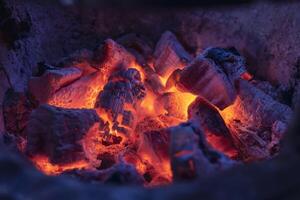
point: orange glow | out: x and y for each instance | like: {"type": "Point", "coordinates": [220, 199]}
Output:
{"type": "Point", "coordinates": [44, 165]}
{"type": "Point", "coordinates": [139, 68]}
{"type": "Point", "coordinates": [83, 93]}
{"type": "Point", "coordinates": [246, 76]}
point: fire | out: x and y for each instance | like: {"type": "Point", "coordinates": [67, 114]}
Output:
{"type": "Point", "coordinates": [110, 140]}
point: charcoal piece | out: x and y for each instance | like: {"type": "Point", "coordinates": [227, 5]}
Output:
{"type": "Point", "coordinates": [80, 94]}
{"type": "Point", "coordinates": [17, 107]}
{"type": "Point", "coordinates": [204, 78]}
{"type": "Point", "coordinates": [267, 88]}
{"type": "Point", "coordinates": [154, 145]}
{"type": "Point", "coordinates": [128, 118]}
{"type": "Point", "coordinates": [214, 127]}
{"type": "Point", "coordinates": [191, 156]}
{"type": "Point", "coordinates": [169, 55]}
{"type": "Point", "coordinates": [187, 160]}
{"type": "Point", "coordinates": [107, 160]}
{"type": "Point", "coordinates": [57, 132]}
{"type": "Point", "coordinates": [43, 87]}
{"type": "Point", "coordinates": [174, 104]}
{"type": "Point", "coordinates": [111, 56]}
{"type": "Point", "coordinates": [258, 122]}
{"type": "Point", "coordinates": [149, 124]}
{"type": "Point", "coordinates": [124, 87]}
{"type": "Point", "coordinates": [138, 45]}
{"type": "Point", "coordinates": [81, 59]}
{"type": "Point", "coordinates": [229, 59]}
{"type": "Point", "coordinates": [152, 80]}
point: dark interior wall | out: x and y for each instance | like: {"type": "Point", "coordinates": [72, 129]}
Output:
{"type": "Point", "coordinates": [32, 32]}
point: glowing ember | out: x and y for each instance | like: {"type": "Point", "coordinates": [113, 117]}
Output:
{"type": "Point", "coordinates": [167, 119]}
{"type": "Point", "coordinates": [43, 164]}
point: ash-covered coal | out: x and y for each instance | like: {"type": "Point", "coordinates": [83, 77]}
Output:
{"type": "Point", "coordinates": [129, 113]}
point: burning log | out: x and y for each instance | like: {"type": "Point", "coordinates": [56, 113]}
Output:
{"type": "Point", "coordinates": [17, 107]}
{"type": "Point", "coordinates": [214, 127]}
{"type": "Point", "coordinates": [191, 157]}
{"type": "Point", "coordinates": [58, 132]}
{"type": "Point", "coordinates": [204, 78]}
{"type": "Point", "coordinates": [43, 87]}
{"type": "Point", "coordinates": [80, 94]}
{"type": "Point", "coordinates": [169, 55]}
{"type": "Point", "coordinates": [229, 60]}
{"type": "Point", "coordinates": [257, 122]}
{"type": "Point", "coordinates": [111, 56]}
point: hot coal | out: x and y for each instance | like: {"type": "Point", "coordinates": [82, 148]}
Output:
{"type": "Point", "coordinates": [79, 94]}
{"type": "Point", "coordinates": [169, 55]}
{"type": "Point", "coordinates": [44, 86]}
{"type": "Point", "coordinates": [57, 132]}
{"type": "Point", "coordinates": [118, 114]}
{"type": "Point", "coordinates": [204, 78]}
{"type": "Point", "coordinates": [216, 132]}
{"type": "Point", "coordinates": [111, 56]}
{"type": "Point", "coordinates": [229, 59]}
{"type": "Point", "coordinates": [191, 157]}
{"type": "Point", "coordinates": [258, 122]}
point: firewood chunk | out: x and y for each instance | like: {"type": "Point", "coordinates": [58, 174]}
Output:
{"type": "Point", "coordinates": [229, 59]}
{"type": "Point", "coordinates": [215, 129]}
{"type": "Point", "coordinates": [17, 107]}
{"type": "Point", "coordinates": [111, 56]}
{"type": "Point", "coordinates": [58, 132]}
{"type": "Point", "coordinates": [43, 87]}
{"type": "Point", "coordinates": [80, 94]}
{"type": "Point", "coordinates": [257, 122]}
{"type": "Point", "coordinates": [204, 78]}
{"type": "Point", "coordinates": [169, 55]}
